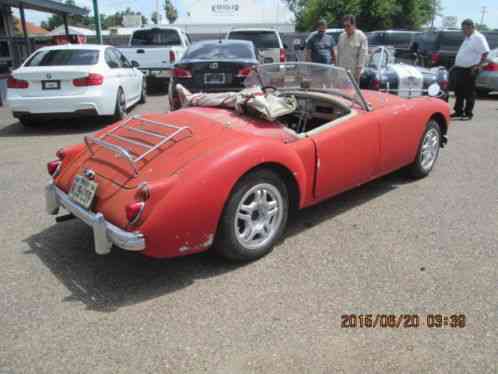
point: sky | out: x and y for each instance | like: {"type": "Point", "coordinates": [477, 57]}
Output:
{"type": "Point", "coordinates": [459, 8]}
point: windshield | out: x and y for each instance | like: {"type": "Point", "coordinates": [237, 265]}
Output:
{"type": "Point", "coordinates": [156, 37]}
{"type": "Point", "coordinates": [63, 57]}
{"type": "Point", "coordinates": [220, 51]}
{"type": "Point", "coordinates": [261, 39]}
{"type": "Point", "coordinates": [306, 76]}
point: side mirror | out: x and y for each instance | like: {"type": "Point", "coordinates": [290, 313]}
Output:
{"type": "Point", "coordinates": [135, 64]}
{"type": "Point", "coordinates": [434, 90]}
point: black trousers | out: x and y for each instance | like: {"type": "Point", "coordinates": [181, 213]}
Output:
{"type": "Point", "coordinates": [465, 90]}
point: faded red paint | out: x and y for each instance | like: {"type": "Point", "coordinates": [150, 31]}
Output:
{"type": "Point", "coordinates": [191, 179]}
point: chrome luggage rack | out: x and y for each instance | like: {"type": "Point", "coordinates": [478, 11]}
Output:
{"type": "Point", "coordinates": [140, 129]}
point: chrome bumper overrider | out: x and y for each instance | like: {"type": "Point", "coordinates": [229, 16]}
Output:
{"type": "Point", "coordinates": [105, 233]}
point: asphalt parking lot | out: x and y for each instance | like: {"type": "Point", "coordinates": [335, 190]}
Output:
{"type": "Point", "coordinates": [393, 246]}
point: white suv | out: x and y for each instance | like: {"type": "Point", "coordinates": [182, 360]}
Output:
{"type": "Point", "coordinates": [267, 42]}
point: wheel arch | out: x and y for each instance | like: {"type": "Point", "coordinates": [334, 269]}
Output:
{"type": "Point", "coordinates": [441, 120]}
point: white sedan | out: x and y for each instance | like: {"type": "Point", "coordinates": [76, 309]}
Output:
{"type": "Point", "coordinates": [74, 80]}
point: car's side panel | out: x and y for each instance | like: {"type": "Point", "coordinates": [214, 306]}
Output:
{"type": "Point", "coordinates": [348, 154]}
{"type": "Point", "coordinates": [185, 221]}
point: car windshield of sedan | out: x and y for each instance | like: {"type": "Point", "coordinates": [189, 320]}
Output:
{"type": "Point", "coordinates": [306, 77]}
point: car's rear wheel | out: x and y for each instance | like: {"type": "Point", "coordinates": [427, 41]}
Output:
{"type": "Point", "coordinates": [120, 110]}
{"type": "Point", "coordinates": [254, 217]}
{"type": "Point", "coordinates": [143, 95]}
{"type": "Point", "coordinates": [428, 151]}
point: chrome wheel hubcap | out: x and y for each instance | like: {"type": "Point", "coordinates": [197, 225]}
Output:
{"type": "Point", "coordinates": [258, 216]}
{"type": "Point", "coordinates": [430, 149]}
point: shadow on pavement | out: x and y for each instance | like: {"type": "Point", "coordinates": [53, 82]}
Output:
{"type": "Point", "coordinates": [106, 283]}
{"type": "Point", "coordinates": [54, 127]}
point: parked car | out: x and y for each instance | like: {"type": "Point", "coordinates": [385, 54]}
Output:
{"type": "Point", "coordinates": [268, 43]}
{"type": "Point", "coordinates": [335, 33]}
{"type": "Point", "coordinates": [437, 48]}
{"type": "Point", "coordinates": [384, 73]}
{"type": "Point", "coordinates": [487, 80]}
{"type": "Point", "coordinates": [74, 80]}
{"type": "Point", "coordinates": [173, 184]}
{"type": "Point", "coordinates": [213, 66]}
{"type": "Point", "coordinates": [400, 40]}
{"type": "Point", "coordinates": [155, 50]}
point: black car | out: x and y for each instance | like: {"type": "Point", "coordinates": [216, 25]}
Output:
{"type": "Point", "coordinates": [400, 40]}
{"type": "Point", "coordinates": [384, 73]}
{"type": "Point", "coordinates": [213, 66]}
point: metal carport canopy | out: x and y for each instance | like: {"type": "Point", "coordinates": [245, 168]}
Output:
{"type": "Point", "coordinates": [47, 6]}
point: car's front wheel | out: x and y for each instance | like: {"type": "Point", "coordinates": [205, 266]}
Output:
{"type": "Point", "coordinates": [120, 108]}
{"type": "Point", "coordinates": [254, 217]}
{"type": "Point", "coordinates": [143, 95]}
{"type": "Point", "coordinates": [428, 151]}
{"type": "Point", "coordinates": [28, 121]}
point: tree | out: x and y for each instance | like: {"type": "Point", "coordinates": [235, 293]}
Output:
{"type": "Point", "coordinates": [171, 11]}
{"type": "Point", "coordinates": [370, 14]}
{"type": "Point", "coordinates": [155, 18]}
{"type": "Point", "coordinates": [56, 20]}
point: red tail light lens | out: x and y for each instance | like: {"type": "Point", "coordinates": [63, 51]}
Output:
{"type": "Point", "coordinates": [491, 67]}
{"type": "Point", "coordinates": [172, 57]}
{"type": "Point", "coordinates": [283, 56]}
{"type": "Point", "coordinates": [443, 85]}
{"type": "Point", "coordinates": [182, 73]}
{"type": "Point", "coordinates": [375, 84]}
{"type": "Point", "coordinates": [53, 168]}
{"type": "Point", "coordinates": [134, 211]}
{"type": "Point", "coordinates": [60, 154]}
{"type": "Point", "coordinates": [91, 79]}
{"type": "Point", "coordinates": [244, 72]}
{"type": "Point", "coordinates": [17, 83]}
{"type": "Point", "coordinates": [435, 58]}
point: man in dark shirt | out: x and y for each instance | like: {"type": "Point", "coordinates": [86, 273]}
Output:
{"type": "Point", "coordinates": [319, 46]}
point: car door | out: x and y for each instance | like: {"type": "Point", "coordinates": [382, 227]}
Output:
{"type": "Point", "coordinates": [127, 76]}
{"type": "Point", "coordinates": [114, 73]}
{"type": "Point", "coordinates": [348, 153]}
{"type": "Point", "coordinates": [133, 75]}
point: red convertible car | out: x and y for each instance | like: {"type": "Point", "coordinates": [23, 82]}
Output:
{"type": "Point", "coordinates": [179, 183]}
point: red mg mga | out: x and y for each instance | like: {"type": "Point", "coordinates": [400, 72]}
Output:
{"type": "Point", "coordinates": [178, 183]}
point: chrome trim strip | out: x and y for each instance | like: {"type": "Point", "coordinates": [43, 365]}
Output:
{"type": "Point", "coordinates": [105, 233]}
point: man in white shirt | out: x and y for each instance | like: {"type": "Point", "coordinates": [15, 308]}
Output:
{"type": "Point", "coordinates": [352, 48]}
{"type": "Point", "coordinates": [472, 54]}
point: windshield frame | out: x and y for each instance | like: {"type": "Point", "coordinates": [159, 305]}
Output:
{"type": "Point", "coordinates": [357, 98]}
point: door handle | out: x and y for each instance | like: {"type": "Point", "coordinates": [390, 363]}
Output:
{"type": "Point", "coordinates": [140, 51]}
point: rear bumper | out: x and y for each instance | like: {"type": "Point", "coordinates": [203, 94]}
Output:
{"type": "Point", "coordinates": [105, 233]}
{"type": "Point", "coordinates": [487, 80]}
{"type": "Point", "coordinates": [159, 73]}
{"type": "Point", "coordinates": [99, 104]}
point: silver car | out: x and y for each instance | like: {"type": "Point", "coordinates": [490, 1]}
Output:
{"type": "Point", "coordinates": [487, 80]}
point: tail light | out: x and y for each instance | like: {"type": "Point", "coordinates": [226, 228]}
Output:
{"type": "Point", "coordinates": [134, 211]}
{"type": "Point", "coordinates": [443, 85]}
{"type": "Point", "coordinates": [435, 56]}
{"type": "Point", "coordinates": [172, 56]}
{"type": "Point", "coordinates": [375, 84]}
{"type": "Point", "coordinates": [244, 72]}
{"type": "Point", "coordinates": [60, 154]}
{"type": "Point", "coordinates": [283, 56]}
{"type": "Point", "coordinates": [53, 168]}
{"type": "Point", "coordinates": [182, 73]}
{"type": "Point", "coordinates": [91, 79]}
{"type": "Point", "coordinates": [17, 83]}
{"type": "Point", "coordinates": [491, 67]}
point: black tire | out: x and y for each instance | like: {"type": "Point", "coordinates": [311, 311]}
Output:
{"type": "Point", "coordinates": [120, 109]}
{"type": "Point", "coordinates": [28, 121]}
{"type": "Point", "coordinates": [143, 95]}
{"type": "Point", "coordinates": [420, 169]}
{"type": "Point", "coordinates": [227, 244]}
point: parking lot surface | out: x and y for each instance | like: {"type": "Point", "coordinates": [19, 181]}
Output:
{"type": "Point", "coordinates": [393, 246]}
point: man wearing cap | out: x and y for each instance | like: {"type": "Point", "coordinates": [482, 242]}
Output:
{"type": "Point", "coordinates": [471, 56]}
{"type": "Point", "coordinates": [352, 48]}
{"type": "Point", "coordinates": [319, 46]}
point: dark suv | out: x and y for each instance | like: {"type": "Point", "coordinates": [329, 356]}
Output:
{"type": "Point", "coordinates": [401, 40]}
{"type": "Point", "coordinates": [438, 48]}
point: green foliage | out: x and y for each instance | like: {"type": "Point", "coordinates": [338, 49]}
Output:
{"type": "Point", "coordinates": [370, 14]}
{"type": "Point", "coordinates": [114, 20]}
{"type": "Point", "coordinates": [171, 11]}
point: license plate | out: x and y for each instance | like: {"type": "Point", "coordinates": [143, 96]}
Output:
{"type": "Point", "coordinates": [83, 191]}
{"type": "Point", "coordinates": [214, 78]}
{"type": "Point", "coordinates": [51, 85]}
